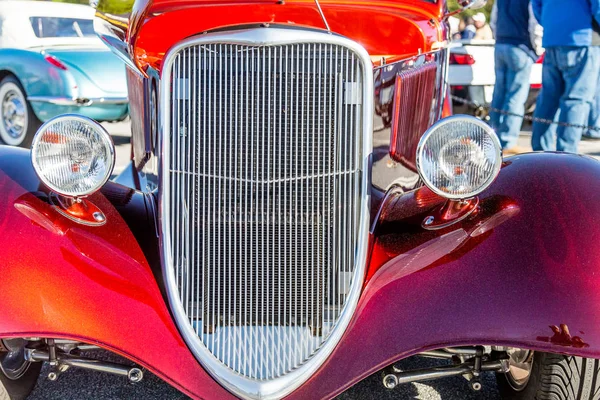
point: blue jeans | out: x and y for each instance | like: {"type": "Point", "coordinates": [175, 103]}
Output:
{"type": "Point", "coordinates": [594, 119]}
{"type": "Point", "coordinates": [513, 67]}
{"type": "Point", "coordinates": [569, 80]}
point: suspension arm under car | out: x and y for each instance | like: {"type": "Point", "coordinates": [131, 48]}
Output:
{"type": "Point", "coordinates": [58, 354]}
{"type": "Point", "coordinates": [467, 361]}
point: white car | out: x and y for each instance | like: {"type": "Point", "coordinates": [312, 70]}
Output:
{"type": "Point", "coordinates": [471, 74]}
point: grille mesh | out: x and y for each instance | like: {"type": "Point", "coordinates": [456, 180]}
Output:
{"type": "Point", "coordinates": [265, 190]}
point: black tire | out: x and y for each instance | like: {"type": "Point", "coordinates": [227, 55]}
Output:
{"type": "Point", "coordinates": [11, 85]}
{"type": "Point", "coordinates": [556, 377]}
{"type": "Point", "coordinates": [20, 388]}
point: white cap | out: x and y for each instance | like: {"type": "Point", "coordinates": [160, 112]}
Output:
{"type": "Point", "coordinates": [479, 17]}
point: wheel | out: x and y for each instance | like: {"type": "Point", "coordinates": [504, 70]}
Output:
{"type": "Point", "coordinates": [545, 376]}
{"type": "Point", "coordinates": [18, 123]}
{"type": "Point", "coordinates": [17, 376]}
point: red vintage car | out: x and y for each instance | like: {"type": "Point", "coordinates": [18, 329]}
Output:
{"type": "Point", "coordinates": [299, 213]}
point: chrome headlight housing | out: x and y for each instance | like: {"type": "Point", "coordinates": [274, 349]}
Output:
{"type": "Point", "coordinates": [459, 157]}
{"type": "Point", "coordinates": [73, 155]}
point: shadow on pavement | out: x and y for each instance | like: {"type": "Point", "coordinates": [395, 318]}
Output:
{"type": "Point", "coordinates": [456, 388]}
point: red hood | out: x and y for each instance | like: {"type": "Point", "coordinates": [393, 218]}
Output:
{"type": "Point", "coordinates": [384, 28]}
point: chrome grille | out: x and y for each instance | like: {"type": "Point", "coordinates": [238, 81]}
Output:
{"type": "Point", "coordinates": [263, 196]}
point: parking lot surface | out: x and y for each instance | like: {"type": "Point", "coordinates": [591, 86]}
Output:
{"type": "Point", "coordinates": [78, 384]}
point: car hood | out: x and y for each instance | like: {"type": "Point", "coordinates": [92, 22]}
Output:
{"type": "Point", "coordinates": [94, 65]}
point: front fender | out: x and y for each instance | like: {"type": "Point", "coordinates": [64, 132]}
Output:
{"type": "Point", "coordinates": [522, 272]}
{"type": "Point", "coordinates": [526, 262]}
{"type": "Point", "coordinates": [94, 284]}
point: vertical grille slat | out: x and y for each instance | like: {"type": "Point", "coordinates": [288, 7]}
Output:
{"type": "Point", "coordinates": [265, 172]}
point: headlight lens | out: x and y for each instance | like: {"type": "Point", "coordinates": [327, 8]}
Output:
{"type": "Point", "coordinates": [459, 157]}
{"type": "Point", "coordinates": [73, 155]}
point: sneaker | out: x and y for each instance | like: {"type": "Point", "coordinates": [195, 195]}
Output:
{"type": "Point", "coordinates": [589, 137]}
{"type": "Point", "coordinates": [511, 151]}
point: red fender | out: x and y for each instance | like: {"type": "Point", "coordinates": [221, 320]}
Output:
{"type": "Point", "coordinates": [521, 271]}
{"type": "Point", "coordinates": [66, 280]}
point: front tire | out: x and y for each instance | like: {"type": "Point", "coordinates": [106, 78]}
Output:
{"type": "Point", "coordinates": [17, 376]}
{"type": "Point", "coordinates": [553, 377]}
{"type": "Point", "coordinates": [18, 122]}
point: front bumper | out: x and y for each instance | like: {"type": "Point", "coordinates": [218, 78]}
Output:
{"type": "Point", "coordinates": [100, 108]}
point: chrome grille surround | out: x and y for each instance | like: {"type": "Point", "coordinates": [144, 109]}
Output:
{"type": "Point", "coordinates": [208, 341]}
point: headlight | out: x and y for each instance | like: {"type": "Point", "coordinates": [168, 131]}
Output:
{"type": "Point", "coordinates": [459, 157]}
{"type": "Point", "coordinates": [73, 155]}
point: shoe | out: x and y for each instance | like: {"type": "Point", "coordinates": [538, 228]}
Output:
{"type": "Point", "coordinates": [588, 137]}
{"type": "Point", "coordinates": [515, 150]}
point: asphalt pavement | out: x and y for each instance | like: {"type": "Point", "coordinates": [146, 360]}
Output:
{"type": "Point", "coordinates": [78, 384]}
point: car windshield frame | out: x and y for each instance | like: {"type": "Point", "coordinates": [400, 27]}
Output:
{"type": "Point", "coordinates": [45, 27]}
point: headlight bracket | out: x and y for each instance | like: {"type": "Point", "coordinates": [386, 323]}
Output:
{"type": "Point", "coordinates": [80, 210]}
{"type": "Point", "coordinates": [449, 213]}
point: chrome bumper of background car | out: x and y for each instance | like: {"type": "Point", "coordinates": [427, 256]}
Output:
{"type": "Point", "coordinates": [66, 101]}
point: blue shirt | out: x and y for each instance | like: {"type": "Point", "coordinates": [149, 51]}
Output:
{"type": "Point", "coordinates": [566, 22]}
{"type": "Point", "coordinates": [514, 25]}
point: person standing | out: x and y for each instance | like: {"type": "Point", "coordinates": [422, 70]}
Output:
{"type": "Point", "coordinates": [570, 71]}
{"type": "Point", "coordinates": [518, 46]}
{"type": "Point", "coordinates": [454, 24]}
{"type": "Point", "coordinates": [469, 30]}
{"type": "Point", "coordinates": [482, 29]}
{"type": "Point", "coordinates": [593, 131]}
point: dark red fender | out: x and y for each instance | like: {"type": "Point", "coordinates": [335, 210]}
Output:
{"type": "Point", "coordinates": [520, 273]}
{"type": "Point", "coordinates": [526, 262]}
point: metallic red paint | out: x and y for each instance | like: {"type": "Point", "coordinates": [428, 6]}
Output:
{"type": "Point", "coordinates": [524, 265]}
{"type": "Point", "coordinates": [65, 280]}
{"type": "Point", "coordinates": [514, 273]}
{"type": "Point", "coordinates": [390, 29]}
{"type": "Point", "coordinates": [447, 111]}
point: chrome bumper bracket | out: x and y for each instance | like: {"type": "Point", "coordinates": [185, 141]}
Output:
{"type": "Point", "coordinates": [79, 101]}
{"type": "Point", "coordinates": [60, 362]}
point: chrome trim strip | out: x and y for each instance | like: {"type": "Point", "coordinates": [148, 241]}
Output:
{"type": "Point", "coordinates": [112, 30]}
{"type": "Point", "coordinates": [322, 16]}
{"type": "Point", "coordinates": [80, 102]}
{"type": "Point", "coordinates": [284, 385]}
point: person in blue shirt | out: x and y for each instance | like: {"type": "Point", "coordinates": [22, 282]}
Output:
{"type": "Point", "coordinates": [518, 46]}
{"type": "Point", "coordinates": [570, 71]}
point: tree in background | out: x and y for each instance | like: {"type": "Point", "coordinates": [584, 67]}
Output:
{"type": "Point", "coordinates": [115, 7]}
{"type": "Point", "coordinates": [86, 2]}
{"type": "Point", "coordinates": [487, 10]}
{"type": "Point", "coordinates": [121, 6]}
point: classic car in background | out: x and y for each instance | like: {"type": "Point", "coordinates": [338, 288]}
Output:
{"type": "Point", "coordinates": [51, 63]}
{"type": "Point", "coordinates": [471, 76]}
{"type": "Point", "coordinates": [299, 212]}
